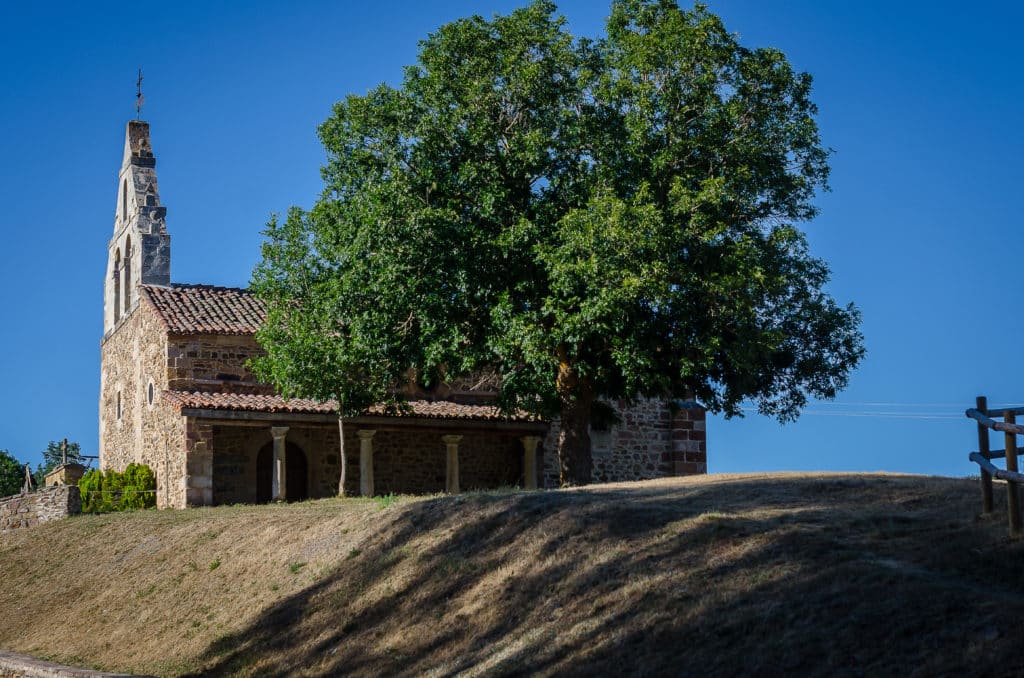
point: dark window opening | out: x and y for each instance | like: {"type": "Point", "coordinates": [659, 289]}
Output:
{"type": "Point", "coordinates": [127, 275]}
{"type": "Point", "coordinates": [117, 285]}
{"type": "Point", "coordinates": [296, 474]}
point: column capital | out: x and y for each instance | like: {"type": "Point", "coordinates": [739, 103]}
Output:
{"type": "Point", "coordinates": [278, 431]}
{"type": "Point", "coordinates": [451, 439]}
{"type": "Point", "coordinates": [530, 441]}
{"type": "Point", "coordinates": [366, 433]}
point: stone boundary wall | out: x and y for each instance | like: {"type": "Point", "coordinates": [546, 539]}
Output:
{"type": "Point", "coordinates": [19, 666]}
{"type": "Point", "coordinates": [26, 510]}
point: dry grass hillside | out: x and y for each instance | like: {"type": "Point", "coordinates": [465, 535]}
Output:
{"type": "Point", "coordinates": [726, 575]}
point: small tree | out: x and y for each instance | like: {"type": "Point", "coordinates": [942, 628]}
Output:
{"type": "Point", "coordinates": [12, 474]}
{"type": "Point", "coordinates": [322, 333]}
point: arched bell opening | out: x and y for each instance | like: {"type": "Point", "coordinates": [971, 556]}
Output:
{"type": "Point", "coordinates": [117, 285]}
{"type": "Point", "coordinates": [127, 274]}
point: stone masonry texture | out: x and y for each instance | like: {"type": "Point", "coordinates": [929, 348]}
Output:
{"type": "Point", "coordinates": [35, 508]}
{"type": "Point", "coordinates": [653, 439]}
{"type": "Point", "coordinates": [134, 356]}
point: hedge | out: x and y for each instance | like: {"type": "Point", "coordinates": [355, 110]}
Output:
{"type": "Point", "coordinates": [107, 491]}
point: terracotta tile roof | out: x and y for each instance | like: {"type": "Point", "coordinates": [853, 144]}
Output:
{"type": "Point", "coordinates": [206, 309]}
{"type": "Point", "coordinates": [251, 402]}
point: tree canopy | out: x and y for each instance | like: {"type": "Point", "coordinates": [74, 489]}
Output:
{"type": "Point", "coordinates": [12, 474]}
{"type": "Point", "coordinates": [594, 218]}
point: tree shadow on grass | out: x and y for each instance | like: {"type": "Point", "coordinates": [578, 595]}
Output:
{"type": "Point", "coordinates": [803, 575]}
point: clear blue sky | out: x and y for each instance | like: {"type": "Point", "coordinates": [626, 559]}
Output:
{"type": "Point", "coordinates": [922, 103]}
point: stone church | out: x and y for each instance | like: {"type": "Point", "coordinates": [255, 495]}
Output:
{"type": "Point", "coordinates": [176, 394]}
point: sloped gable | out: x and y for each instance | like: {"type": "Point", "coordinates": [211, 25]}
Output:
{"type": "Point", "coordinates": [206, 309]}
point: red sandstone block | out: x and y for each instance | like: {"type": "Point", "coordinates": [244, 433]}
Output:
{"type": "Point", "coordinates": [697, 456]}
{"type": "Point", "coordinates": [689, 468]}
{"type": "Point", "coordinates": [698, 435]}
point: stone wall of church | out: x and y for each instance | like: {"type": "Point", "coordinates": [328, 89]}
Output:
{"type": "Point", "coordinates": [414, 462]}
{"type": "Point", "coordinates": [165, 448]}
{"type": "Point", "coordinates": [405, 462]}
{"type": "Point", "coordinates": [134, 357]}
{"type": "Point", "coordinates": [653, 439]}
{"type": "Point", "coordinates": [205, 362]}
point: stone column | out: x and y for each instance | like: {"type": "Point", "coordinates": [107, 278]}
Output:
{"type": "Point", "coordinates": [279, 478]}
{"type": "Point", "coordinates": [530, 461]}
{"type": "Point", "coordinates": [452, 478]}
{"type": "Point", "coordinates": [366, 461]}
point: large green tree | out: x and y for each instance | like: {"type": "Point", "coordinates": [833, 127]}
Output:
{"type": "Point", "coordinates": [605, 218]}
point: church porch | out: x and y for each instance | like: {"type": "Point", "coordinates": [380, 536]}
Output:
{"type": "Point", "coordinates": [255, 456]}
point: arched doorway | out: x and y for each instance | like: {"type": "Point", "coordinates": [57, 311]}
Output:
{"type": "Point", "coordinates": [296, 473]}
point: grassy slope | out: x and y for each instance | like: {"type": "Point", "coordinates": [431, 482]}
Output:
{"type": "Point", "coordinates": [766, 574]}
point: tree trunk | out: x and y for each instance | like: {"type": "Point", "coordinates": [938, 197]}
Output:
{"type": "Point", "coordinates": [344, 460]}
{"type": "Point", "coordinates": [575, 462]}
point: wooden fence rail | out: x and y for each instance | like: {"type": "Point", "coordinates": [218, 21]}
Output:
{"type": "Point", "coordinates": [984, 456]}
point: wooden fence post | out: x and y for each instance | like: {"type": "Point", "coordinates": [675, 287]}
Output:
{"type": "Point", "coordinates": [1012, 497]}
{"type": "Point", "coordinates": [981, 403]}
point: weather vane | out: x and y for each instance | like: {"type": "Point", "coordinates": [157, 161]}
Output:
{"type": "Point", "coordinates": [139, 100]}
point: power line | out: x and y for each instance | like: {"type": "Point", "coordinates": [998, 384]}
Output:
{"type": "Point", "coordinates": [885, 415]}
{"type": "Point", "coordinates": [961, 405]}
{"type": "Point", "coordinates": [873, 414]}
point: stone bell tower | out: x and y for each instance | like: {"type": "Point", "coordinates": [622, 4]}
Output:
{"type": "Point", "coordinates": [140, 251]}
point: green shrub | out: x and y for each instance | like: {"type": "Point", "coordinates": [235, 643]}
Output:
{"type": "Point", "coordinates": [139, 489]}
{"type": "Point", "coordinates": [90, 486]}
{"type": "Point", "coordinates": [103, 492]}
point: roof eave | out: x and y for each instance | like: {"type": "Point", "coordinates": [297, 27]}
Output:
{"type": "Point", "coordinates": [383, 423]}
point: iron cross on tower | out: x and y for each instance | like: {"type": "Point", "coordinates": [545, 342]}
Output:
{"type": "Point", "coordinates": [139, 100]}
